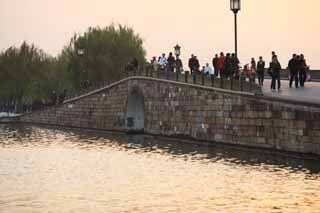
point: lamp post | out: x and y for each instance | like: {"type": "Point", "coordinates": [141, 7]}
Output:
{"type": "Point", "coordinates": [178, 63]}
{"type": "Point", "coordinates": [177, 50]}
{"type": "Point", "coordinates": [235, 6]}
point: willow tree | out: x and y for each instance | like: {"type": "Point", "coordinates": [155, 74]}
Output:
{"type": "Point", "coordinates": [99, 54]}
{"type": "Point", "coordinates": [28, 73]}
{"type": "Point", "coordinates": [21, 68]}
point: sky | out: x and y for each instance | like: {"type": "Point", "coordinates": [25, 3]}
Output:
{"type": "Point", "coordinates": [202, 27]}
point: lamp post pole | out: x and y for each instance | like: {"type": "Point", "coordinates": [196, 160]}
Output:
{"type": "Point", "coordinates": [235, 6]}
{"type": "Point", "coordinates": [235, 34]}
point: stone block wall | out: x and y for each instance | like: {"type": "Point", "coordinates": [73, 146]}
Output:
{"type": "Point", "coordinates": [202, 113]}
{"type": "Point", "coordinates": [101, 110]}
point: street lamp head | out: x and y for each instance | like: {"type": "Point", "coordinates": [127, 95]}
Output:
{"type": "Point", "coordinates": [235, 5]}
{"type": "Point", "coordinates": [177, 50]}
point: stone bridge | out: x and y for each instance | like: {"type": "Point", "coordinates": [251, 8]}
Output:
{"type": "Point", "coordinates": [198, 112]}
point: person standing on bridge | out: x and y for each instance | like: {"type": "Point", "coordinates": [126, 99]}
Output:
{"type": "Point", "coordinates": [196, 65]}
{"type": "Point", "coordinates": [260, 70]}
{"type": "Point", "coordinates": [191, 63]}
{"type": "Point", "coordinates": [221, 61]}
{"type": "Point", "coordinates": [275, 68]}
{"type": "Point", "coordinates": [163, 62]}
{"type": "Point", "coordinates": [302, 70]}
{"type": "Point", "coordinates": [234, 66]}
{"type": "Point", "coordinates": [293, 67]}
{"type": "Point", "coordinates": [228, 66]}
{"type": "Point", "coordinates": [178, 65]}
{"type": "Point", "coordinates": [207, 70]}
{"type": "Point", "coordinates": [215, 64]}
{"type": "Point", "coordinates": [171, 61]}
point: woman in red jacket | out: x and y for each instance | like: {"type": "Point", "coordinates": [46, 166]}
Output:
{"type": "Point", "coordinates": [221, 64]}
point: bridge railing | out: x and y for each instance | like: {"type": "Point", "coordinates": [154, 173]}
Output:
{"type": "Point", "coordinates": [236, 84]}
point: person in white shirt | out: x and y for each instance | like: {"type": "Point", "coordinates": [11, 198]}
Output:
{"type": "Point", "coordinates": [163, 61]}
{"type": "Point", "coordinates": [208, 70]}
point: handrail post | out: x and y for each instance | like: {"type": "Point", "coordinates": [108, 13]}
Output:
{"type": "Point", "coordinates": [231, 83]}
{"type": "Point", "coordinates": [241, 83]}
{"type": "Point", "coordinates": [151, 71]}
{"type": "Point", "coordinates": [186, 76]}
{"type": "Point", "coordinates": [202, 79]}
{"type": "Point", "coordinates": [194, 78]}
{"type": "Point", "coordinates": [212, 80]}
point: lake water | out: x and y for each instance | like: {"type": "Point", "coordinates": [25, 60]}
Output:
{"type": "Point", "coordinates": [62, 170]}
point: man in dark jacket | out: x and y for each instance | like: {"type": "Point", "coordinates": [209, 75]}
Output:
{"type": "Point", "coordinates": [228, 66]}
{"type": "Point", "coordinates": [275, 68]}
{"type": "Point", "coordinates": [235, 66]}
{"type": "Point", "coordinates": [196, 65]}
{"type": "Point", "coordinates": [302, 70]}
{"type": "Point", "coordinates": [215, 64]}
{"type": "Point", "coordinates": [260, 70]}
{"type": "Point", "coordinates": [293, 66]}
{"type": "Point", "coordinates": [179, 65]}
{"type": "Point", "coordinates": [191, 64]}
{"type": "Point", "coordinates": [171, 61]}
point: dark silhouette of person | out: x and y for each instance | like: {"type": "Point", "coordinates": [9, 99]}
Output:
{"type": "Point", "coordinates": [215, 64]}
{"type": "Point", "coordinates": [221, 64]}
{"type": "Point", "coordinates": [196, 65]}
{"type": "Point", "coordinates": [178, 64]}
{"type": "Point", "coordinates": [275, 68]}
{"type": "Point", "coordinates": [171, 62]}
{"type": "Point", "coordinates": [235, 66]}
{"type": "Point", "coordinates": [260, 70]}
{"type": "Point", "coordinates": [228, 66]}
{"type": "Point", "coordinates": [191, 63]}
{"type": "Point", "coordinates": [293, 66]}
{"type": "Point", "coordinates": [302, 70]}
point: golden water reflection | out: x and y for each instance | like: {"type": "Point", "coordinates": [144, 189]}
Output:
{"type": "Point", "coordinates": [52, 170]}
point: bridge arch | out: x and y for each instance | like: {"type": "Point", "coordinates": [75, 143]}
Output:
{"type": "Point", "coordinates": [135, 110]}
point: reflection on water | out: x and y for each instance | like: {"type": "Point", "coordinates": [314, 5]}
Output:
{"type": "Point", "coordinates": [55, 170]}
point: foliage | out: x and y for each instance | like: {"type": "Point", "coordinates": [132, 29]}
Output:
{"type": "Point", "coordinates": [98, 55]}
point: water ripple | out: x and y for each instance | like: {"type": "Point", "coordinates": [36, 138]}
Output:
{"type": "Point", "coordinates": [63, 170]}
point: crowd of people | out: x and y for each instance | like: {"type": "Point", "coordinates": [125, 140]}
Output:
{"type": "Point", "coordinates": [223, 65]}
{"type": "Point", "coordinates": [297, 68]}
{"type": "Point", "coordinates": [228, 66]}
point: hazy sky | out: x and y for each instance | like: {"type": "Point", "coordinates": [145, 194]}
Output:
{"type": "Point", "coordinates": [202, 27]}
